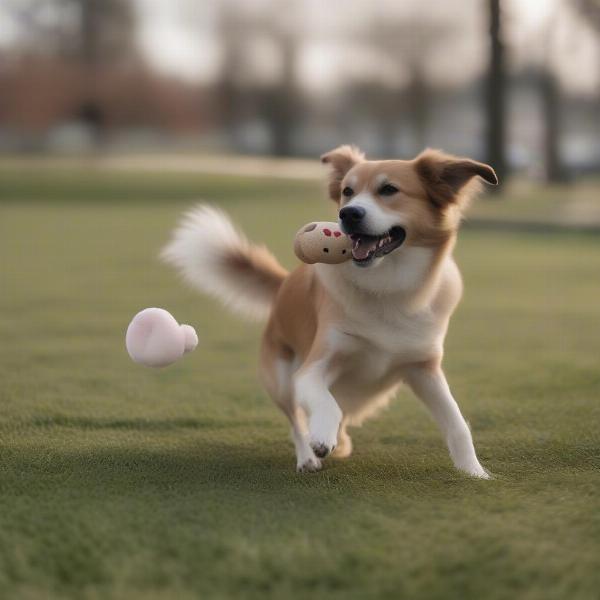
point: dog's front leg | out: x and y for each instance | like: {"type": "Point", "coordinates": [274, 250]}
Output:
{"type": "Point", "coordinates": [311, 389]}
{"type": "Point", "coordinates": [430, 385]}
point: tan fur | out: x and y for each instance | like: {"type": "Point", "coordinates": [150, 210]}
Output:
{"type": "Point", "coordinates": [216, 258]}
{"type": "Point", "coordinates": [341, 159]}
{"type": "Point", "coordinates": [258, 265]}
{"type": "Point", "coordinates": [307, 308]}
{"type": "Point", "coordinates": [340, 339]}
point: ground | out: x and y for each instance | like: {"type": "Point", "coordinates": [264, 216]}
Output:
{"type": "Point", "coordinates": [121, 482]}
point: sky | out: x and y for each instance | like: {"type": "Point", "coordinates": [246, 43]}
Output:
{"type": "Point", "coordinates": [178, 37]}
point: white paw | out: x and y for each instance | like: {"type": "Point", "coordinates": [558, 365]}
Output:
{"type": "Point", "coordinates": [483, 474]}
{"type": "Point", "coordinates": [323, 431]}
{"type": "Point", "coordinates": [309, 465]}
{"type": "Point", "coordinates": [475, 471]}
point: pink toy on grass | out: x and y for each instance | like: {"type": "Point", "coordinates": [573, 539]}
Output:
{"type": "Point", "coordinates": [155, 339]}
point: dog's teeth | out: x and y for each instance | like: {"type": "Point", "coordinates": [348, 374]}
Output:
{"type": "Point", "coordinates": [382, 242]}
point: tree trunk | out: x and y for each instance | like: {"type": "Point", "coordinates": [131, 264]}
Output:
{"type": "Point", "coordinates": [551, 113]}
{"type": "Point", "coordinates": [418, 108]}
{"type": "Point", "coordinates": [495, 97]}
{"type": "Point", "coordinates": [90, 111]}
{"type": "Point", "coordinates": [283, 109]}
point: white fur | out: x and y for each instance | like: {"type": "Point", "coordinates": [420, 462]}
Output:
{"type": "Point", "coordinates": [311, 389]}
{"type": "Point", "coordinates": [432, 388]}
{"type": "Point", "coordinates": [197, 249]}
{"type": "Point", "coordinates": [306, 460]}
{"type": "Point", "coordinates": [402, 271]}
{"type": "Point", "coordinates": [380, 334]}
{"type": "Point", "coordinates": [377, 221]}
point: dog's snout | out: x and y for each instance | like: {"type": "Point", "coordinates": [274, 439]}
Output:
{"type": "Point", "coordinates": [352, 215]}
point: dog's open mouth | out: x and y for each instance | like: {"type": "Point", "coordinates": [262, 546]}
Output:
{"type": "Point", "coordinates": [365, 248]}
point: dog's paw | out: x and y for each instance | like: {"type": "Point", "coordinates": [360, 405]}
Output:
{"type": "Point", "coordinates": [310, 465]}
{"type": "Point", "coordinates": [321, 450]}
{"type": "Point", "coordinates": [482, 474]}
{"type": "Point", "coordinates": [323, 431]}
{"type": "Point", "coordinates": [476, 471]}
{"type": "Point", "coordinates": [344, 446]}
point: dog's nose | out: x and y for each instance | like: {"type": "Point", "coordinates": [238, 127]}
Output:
{"type": "Point", "coordinates": [351, 215]}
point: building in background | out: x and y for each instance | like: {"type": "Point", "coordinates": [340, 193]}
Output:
{"type": "Point", "coordinates": [513, 82]}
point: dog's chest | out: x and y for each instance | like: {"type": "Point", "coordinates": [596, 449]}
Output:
{"type": "Point", "coordinates": [383, 326]}
{"type": "Point", "coordinates": [390, 336]}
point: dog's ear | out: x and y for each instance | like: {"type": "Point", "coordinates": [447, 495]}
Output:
{"type": "Point", "coordinates": [342, 159]}
{"type": "Point", "coordinates": [446, 178]}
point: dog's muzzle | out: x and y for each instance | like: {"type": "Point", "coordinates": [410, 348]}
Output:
{"type": "Point", "coordinates": [366, 247]}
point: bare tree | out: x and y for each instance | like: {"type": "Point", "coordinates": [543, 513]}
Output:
{"type": "Point", "coordinates": [550, 90]}
{"type": "Point", "coordinates": [105, 34]}
{"type": "Point", "coordinates": [275, 101]}
{"type": "Point", "coordinates": [590, 12]}
{"type": "Point", "coordinates": [80, 31]}
{"type": "Point", "coordinates": [551, 113]}
{"type": "Point", "coordinates": [87, 36]}
{"type": "Point", "coordinates": [228, 88]}
{"type": "Point", "coordinates": [106, 30]}
{"type": "Point", "coordinates": [282, 109]}
{"type": "Point", "coordinates": [410, 44]}
{"type": "Point", "coordinates": [495, 94]}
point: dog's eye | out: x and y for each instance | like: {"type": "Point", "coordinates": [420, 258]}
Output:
{"type": "Point", "coordinates": [388, 190]}
{"type": "Point", "coordinates": [348, 191]}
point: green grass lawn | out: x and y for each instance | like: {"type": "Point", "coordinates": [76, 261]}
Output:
{"type": "Point", "coordinates": [122, 482]}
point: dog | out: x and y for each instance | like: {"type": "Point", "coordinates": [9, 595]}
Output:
{"type": "Point", "coordinates": [341, 339]}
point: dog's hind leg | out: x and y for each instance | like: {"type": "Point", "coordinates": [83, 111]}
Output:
{"type": "Point", "coordinates": [344, 442]}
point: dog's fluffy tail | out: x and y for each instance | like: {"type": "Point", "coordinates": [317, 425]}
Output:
{"type": "Point", "coordinates": [217, 259]}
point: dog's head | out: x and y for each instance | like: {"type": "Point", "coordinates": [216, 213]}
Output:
{"type": "Point", "coordinates": [388, 204]}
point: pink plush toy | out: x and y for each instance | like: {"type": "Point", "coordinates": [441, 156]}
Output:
{"type": "Point", "coordinates": [155, 339]}
{"type": "Point", "coordinates": [322, 242]}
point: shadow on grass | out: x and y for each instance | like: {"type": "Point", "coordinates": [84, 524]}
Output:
{"type": "Point", "coordinates": [139, 424]}
{"type": "Point", "coordinates": [210, 466]}
{"type": "Point", "coordinates": [249, 464]}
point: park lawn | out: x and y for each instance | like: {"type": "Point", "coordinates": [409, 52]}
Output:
{"type": "Point", "coordinates": [122, 482]}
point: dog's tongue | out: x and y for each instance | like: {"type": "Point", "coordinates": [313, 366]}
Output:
{"type": "Point", "coordinates": [362, 247]}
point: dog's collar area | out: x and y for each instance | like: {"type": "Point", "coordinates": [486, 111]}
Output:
{"type": "Point", "coordinates": [366, 248]}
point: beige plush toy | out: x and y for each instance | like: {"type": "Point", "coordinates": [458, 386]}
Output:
{"type": "Point", "coordinates": [322, 242]}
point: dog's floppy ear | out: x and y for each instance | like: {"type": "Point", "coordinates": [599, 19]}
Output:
{"type": "Point", "coordinates": [446, 177]}
{"type": "Point", "coordinates": [342, 159]}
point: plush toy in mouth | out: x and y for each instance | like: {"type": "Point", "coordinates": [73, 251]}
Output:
{"type": "Point", "coordinates": [155, 339]}
{"type": "Point", "coordinates": [322, 242]}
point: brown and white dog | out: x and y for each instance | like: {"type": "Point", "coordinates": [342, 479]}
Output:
{"type": "Point", "coordinates": [340, 339]}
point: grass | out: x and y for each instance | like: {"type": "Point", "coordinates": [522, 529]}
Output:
{"type": "Point", "coordinates": [122, 482]}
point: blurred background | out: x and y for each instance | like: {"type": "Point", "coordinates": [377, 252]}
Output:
{"type": "Point", "coordinates": [123, 482]}
{"type": "Point", "coordinates": [513, 82]}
